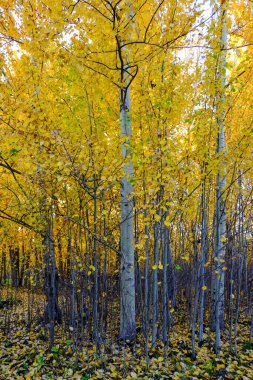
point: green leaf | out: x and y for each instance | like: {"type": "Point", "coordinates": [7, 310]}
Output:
{"type": "Point", "coordinates": [55, 349]}
{"type": "Point", "coordinates": [13, 151]}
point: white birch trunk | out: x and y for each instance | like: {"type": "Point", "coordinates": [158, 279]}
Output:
{"type": "Point", "coordinates": [203, 256]}
{"type": "Point", "coordinates": [221, 182]}
{"type": "Point", "coordinates": [127, 280]}
{"type": "Point", "coordinates": [127, 275]}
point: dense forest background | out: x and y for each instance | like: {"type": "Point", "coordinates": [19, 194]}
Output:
{"type": "Point", "coordinates": [126, 232]}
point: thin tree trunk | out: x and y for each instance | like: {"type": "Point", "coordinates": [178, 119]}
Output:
{"type": "Point", "coordinates": [3, 266]}
{"type": "Point", "coordinates": [52, 312]}
{"type": "Point", "coordinates": [155, 282]}
{"type": "Point", "coordinates": [127, 276]}
{"type": "Point", "coordinates": [221, 183]}
{"type": "Point", "coordinates": [202, 263]}
{"type": "Point", "coordinates": [166, 321]}
{"type": "Point", "coordinates": [95, 274]}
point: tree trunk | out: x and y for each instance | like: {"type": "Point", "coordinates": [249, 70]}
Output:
{"type": "Point", "coordinates": [203, 255]}
{"type": "Point", "coordinates": [221, 183]}
{"type": "Point", "coordinates": [127, 275]}
{"type": "Point", "coordinates": [52, 311]}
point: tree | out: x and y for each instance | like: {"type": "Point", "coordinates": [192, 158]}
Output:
{"type": "Point", "coordinates": [220, 216]}
{"type": "Point", "coordinates": [127, 266]}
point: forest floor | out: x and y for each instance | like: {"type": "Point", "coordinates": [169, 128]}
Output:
{"type": "Point", "coordinates": [24, 354]}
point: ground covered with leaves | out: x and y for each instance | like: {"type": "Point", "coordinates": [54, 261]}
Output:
{"type": "Point", "coordinates": [24, 354]}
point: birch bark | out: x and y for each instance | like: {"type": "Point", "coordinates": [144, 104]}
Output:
{"type": "Point", "coordinates": [221, 181]}
{"type": "Point", "coordinates": [127, 275]}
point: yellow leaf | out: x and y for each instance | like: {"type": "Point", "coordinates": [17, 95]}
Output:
{"type": "Point", "coordinates": [167, 223]}
{"type": "Point", "coordinates": [157, 217]}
